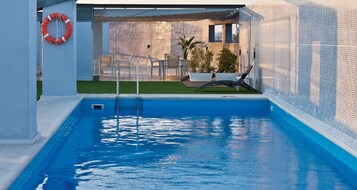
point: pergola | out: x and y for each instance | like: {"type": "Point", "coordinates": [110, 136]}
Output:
{"type": "Point", "coordinates": [20, 42]}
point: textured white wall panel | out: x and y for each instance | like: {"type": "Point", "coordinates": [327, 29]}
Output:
{"type": "Point", "coordinates": [306, 56]}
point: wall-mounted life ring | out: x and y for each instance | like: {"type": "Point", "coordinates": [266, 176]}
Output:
{"type": "Point", "coordinates": [48, 19]}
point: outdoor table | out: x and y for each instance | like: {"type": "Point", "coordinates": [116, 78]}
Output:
{"type": "Point", "coordinates": [182, 67]}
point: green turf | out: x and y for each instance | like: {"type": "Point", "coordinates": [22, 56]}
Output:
{"type": "Point", "coordinates": [39, 89]}
{"type": "Point", "coordinates": [146, 87]}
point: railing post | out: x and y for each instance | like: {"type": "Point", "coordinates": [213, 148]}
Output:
{"type": "Point", "coordinates": [117, 79]}
{"type": "Point", "coordinates": [137, 76]}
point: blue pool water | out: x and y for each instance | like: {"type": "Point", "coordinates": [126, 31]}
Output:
{"type": "Point", "coordinates": [186, 144]}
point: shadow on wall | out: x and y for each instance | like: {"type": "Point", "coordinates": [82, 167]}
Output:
{"type": "Point", "coordinates": [295, 49]}
{"type": "Point", "coordinates": [318, 59]}
{"type": "Point", "coordinates": [151, 38]}
{"type": "Point", "coordinates": [256, 60]}
{"type": "Point", "coordinates": [190, 29]}
{"type": "Point", "coordinates": [134, 38]}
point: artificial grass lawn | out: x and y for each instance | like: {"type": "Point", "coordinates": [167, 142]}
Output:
{"type": "Point", "coordinates": [145, 87]}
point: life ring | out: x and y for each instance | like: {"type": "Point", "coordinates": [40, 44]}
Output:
{"type": "Point", "coordinates": [48, 19]}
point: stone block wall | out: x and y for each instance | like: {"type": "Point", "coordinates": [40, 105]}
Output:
{"type": "Point", "coordinates": [163, 37]}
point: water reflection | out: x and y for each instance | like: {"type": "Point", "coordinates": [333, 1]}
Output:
{"type": "Point", "coordinates": [132, 151]}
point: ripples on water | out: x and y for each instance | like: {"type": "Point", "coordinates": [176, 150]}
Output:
{"type": "Point", "coordinates": [129, 152]}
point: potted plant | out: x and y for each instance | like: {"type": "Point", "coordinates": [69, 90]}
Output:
{"type": "Point", "coordinates": [227, 64]}
{"type": "Point", "coordinates": [187, 44]}
{"type": "Point", "coordinates": [200, 64]}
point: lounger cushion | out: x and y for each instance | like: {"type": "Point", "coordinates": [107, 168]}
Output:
{"type": "Point", "coordinates": [200, 77]}
{"type": "Point", "coordinates": [226, 76]}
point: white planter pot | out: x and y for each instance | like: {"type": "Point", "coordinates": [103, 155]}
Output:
{"type": "Point", "coordinates": [200, 77]}
{"type": "Point", "coordinates": [226, 76]}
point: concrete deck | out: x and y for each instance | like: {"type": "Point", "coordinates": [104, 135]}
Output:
{"type": "Point", "coordinates": [51, 113]}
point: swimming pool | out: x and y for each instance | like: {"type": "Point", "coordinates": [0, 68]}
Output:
{"type": "Point", "coordinates": [183, 143]}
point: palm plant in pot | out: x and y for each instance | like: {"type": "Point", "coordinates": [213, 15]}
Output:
{"type": "Point", "coordinates": [187, 45]}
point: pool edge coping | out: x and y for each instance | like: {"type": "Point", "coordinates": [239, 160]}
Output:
{"type": "Point", "coordinates": [190, 96]}
{"type": "Point", "coordinates": [14, 158]}
{"type": "Point", "coordinates": [304, 118]}
{"type": "Point", "coordinates": [318, 126]}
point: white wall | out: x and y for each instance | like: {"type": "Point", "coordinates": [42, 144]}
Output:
{"type": "Point", "coordinates": [60, 61]}
{"type": "Point", "coordinates": [18, 71]}
{"type": "Point", "coordinates": [105, 37]}
{"type": "Point", "coordinates": [84, 51]}
{"type": "Point", "coordinates": [307, 57]}
{"type": "Point", "coordinates": [97, 40]}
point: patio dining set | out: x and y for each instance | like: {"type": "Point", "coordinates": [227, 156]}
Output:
{"type": "Point", "coordinates": [147, 67]}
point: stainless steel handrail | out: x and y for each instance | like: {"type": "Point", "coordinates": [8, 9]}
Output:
{"type": "Point", "coordinates": [117, 79]}
{"type": "Point", "coordinates": [137, 76]}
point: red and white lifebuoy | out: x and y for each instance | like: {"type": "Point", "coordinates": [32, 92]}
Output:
{"type": "Point", "coordinates": [51, 17]}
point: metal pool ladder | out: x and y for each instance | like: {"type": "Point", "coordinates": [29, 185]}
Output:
{"type": "Point", "coordinates": [117, 79]}
{"type": "Point", "coordinates": [117, 75]}
{"type": "Point", "coordinates": [137, 77]}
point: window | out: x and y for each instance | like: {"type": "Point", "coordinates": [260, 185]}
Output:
{"type": "Point", "coordinates": [215, 33]}
{"type": "Point", "coordinates": [218, 33]}
{"type": "Point", "coordinates": [232, 33]}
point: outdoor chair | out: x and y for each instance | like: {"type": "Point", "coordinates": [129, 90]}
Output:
{"type": "Point", "coordinates": [106, 65]}
{"type": "Point", "coordinates": [230, 83]}
{"type": "Point", "coordinates": [123, 63]}
{"type": "Point", "coordinates": [155, 63]}
{"type": "Point", "coordinates": [172, 62]}
{"type": "Point", "coordinates": [183, 67]}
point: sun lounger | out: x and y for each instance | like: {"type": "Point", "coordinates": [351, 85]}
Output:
{"type": "Point", "coordinates": [229, 83]}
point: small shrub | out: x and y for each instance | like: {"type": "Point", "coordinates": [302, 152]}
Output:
{"type": "Point", "coordinates": [227, 61]}
{"type": "Point", "coordinates": [207, 60]}
{"type": "Point", "coordinates": [201, 60]}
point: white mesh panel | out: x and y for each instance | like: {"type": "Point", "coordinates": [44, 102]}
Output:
{"type": "Point", "coordinates": [307, 57]}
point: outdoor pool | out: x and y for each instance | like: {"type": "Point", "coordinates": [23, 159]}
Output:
{"type": "Point", "coordinates": [183, 144]}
